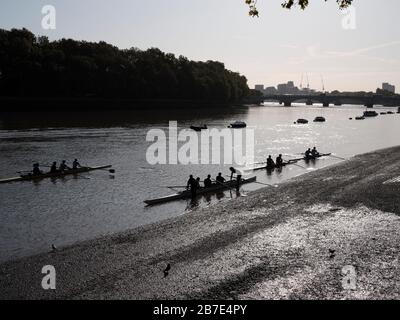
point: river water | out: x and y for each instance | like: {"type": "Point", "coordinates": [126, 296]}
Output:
{"type": "Point", "coordinates": [35, 215]}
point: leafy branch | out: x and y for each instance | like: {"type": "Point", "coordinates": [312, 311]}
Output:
{"type": "Point", "coordinates": [288, 4]}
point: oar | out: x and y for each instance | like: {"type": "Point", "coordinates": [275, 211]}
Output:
{"type": "Point", "coordinates": [173, 187]}
{"type": "Point", "coordinates": [108, 170]}
{"type": "Point", "coordinates": [297, 165]}
{"type": "Point", "coordinates": [23, 171]}
{"type": "Point", "coordinates": [252, 164]}
{"type": "Point", "coordinates": [337, 157]}
{"type": "Point", "coordinates": [266, 184]}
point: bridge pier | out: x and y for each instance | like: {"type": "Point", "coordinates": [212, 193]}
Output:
{"type": "Point", "coordinates": [326, 104]}
{"type": "Point", "coordinates": [309, 103]}
{"type": "Point", "coordinates": [288, 104]}
{"type": "Point", "coordinates": [369, 105]}
{"type": "Point", "coordinates": [337, 103]}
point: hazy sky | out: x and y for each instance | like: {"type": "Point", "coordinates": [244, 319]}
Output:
{"type": "Point", "coordinates": [279, 46]}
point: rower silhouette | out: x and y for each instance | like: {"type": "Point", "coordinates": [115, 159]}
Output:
{"type": "Point", "coordinates": [166, 270]}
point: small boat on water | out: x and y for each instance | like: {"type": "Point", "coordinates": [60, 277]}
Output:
{"type": "Point", "coordinates": [383, 113]}
{"type": "Point", "coordinates": [199, 128]}
{"type": "Point", "coordinates": [292, 161]}
{"type": "Point", "coordinates": [319, 119]}
{"type": "Point", "coordinates": [264, 167]}
{"type": "Point", "coordinates": [31, 177]}
{"type": "Point", "coordinates": [360, 118]}
{"type": "Point", "coordinates": [390, 112]}
{"type": "Point", "coordinates": [237, 125]}
{"type": "Point", "coordinates": [311, 157]}
{"type": "Point", "coordinates": [370, 114]}
{"type": "Point", "coordinates": [304, 158]}
{"type": "Point", "coordinates": [186, 194]}
{"type": "Point", "coordinates": [302, 121]}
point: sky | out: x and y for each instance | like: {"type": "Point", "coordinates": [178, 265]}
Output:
{"type": "Point", "coordinates": [348, 51]}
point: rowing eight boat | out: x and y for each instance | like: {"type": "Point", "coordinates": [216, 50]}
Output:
{"type": "Point", "coordinates": [30, 177]}
{"type": "Point", "coordinates": [187, 194]}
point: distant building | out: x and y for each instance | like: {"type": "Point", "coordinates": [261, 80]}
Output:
{"type": "Point", "coordinates": [259, 87]}
{"type": "Point", "coordinates": [282, 88]}
{"type": "Point", "coordinates": [270, 90]}
{"type": "Point", "coordinates": [285, 88]}
{"type": "Point", "coordinates": [288, 88]}
{"type": "Point", "coordinates": [388, 87]}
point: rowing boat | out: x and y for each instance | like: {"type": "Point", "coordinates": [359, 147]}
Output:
{"type": "Point", "coordinates": [310, 157]}
{"type": "Point", "coordinates": [292, 161]}
{"type": "Point", "coordinates": [30, 177]}
{"type": "Point", "coordinates": [269, 168]}
{"type": "Point", "coordinates": [187, 193]}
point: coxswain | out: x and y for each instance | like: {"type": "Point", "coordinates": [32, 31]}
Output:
{"type": "Point", "coordinates": [36, 169]}
{"type": "Point", "coordinates": [76, 164]}
{"type": "Point", "coordinates": [208, 182]}
{"type": "Point", "coordinates": [270, 163]}
{"type": "Point", "coordinates": [220, 178]}
{"type": "Point", "coordinates": [63, 166]}
{"type": "Point", "coordinates": [53, 168]}
{"type": "Point", "coordinates": [314, 152]}
{"type": "Point", "coordinates": [279, 161]}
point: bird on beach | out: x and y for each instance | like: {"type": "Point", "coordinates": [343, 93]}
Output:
{"type": "Point", "coordinates": [166, 270]}
{"type": "Point", "coordinates": [332, 253]}
{"type": "Point", "coordinates": [53, 247]}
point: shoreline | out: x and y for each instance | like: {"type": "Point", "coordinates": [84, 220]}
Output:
{"type": "Point", "coordinates": [275, 243]}
{"type": "Point", "coordinates": [98, 104]}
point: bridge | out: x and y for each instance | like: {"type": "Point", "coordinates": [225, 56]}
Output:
{"type": "Point", "coordinates": [327, 99]}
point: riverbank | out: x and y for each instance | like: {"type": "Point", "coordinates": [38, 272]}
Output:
{"type": "Point", "coordinates": [95, 104]}
{"type": "Point", "coordinates": [289, 242]}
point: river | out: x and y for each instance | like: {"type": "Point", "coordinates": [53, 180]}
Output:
{"type": "Point", "coordinates": [35, 215]}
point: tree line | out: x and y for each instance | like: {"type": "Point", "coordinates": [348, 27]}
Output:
{"type": "Point", "coordinates": [33, 66]}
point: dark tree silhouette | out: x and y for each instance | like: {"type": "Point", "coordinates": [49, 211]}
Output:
{"type": "Point", "coordinates": [35, 67]}
{"type": "Point", "coordinates": [290, 3]}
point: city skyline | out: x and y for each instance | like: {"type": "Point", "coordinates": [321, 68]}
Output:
{"type": "Point", "coordinates": [278, 46]}
{"type": "Point", "coordinates": [290, 87]}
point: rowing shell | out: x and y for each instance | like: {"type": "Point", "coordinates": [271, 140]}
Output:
{"type": "Point", "coordinates": [187, 194]}
{"type": "Point", "coordinates": [53, 175]}
{"type": "Point", "coordinates": [269, 168]}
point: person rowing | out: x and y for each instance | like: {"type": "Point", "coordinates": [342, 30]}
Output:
{"type": "Point", "coordinates": [190, 182]}
{"type": "Point", "coordinates": [315, 153]}
{"type": "Point", "coordinates": [36, 169]}
{"type": "Point", "coordinates": [220, 179]}
{"type": "Point", "coordinates": [270, 163]}
{"type": "Point", "coordinates": [308, 153]}
{"type": "Point", "coordinates": [279, 161]}
{"type": "Point", "coordinates": [192, 186]}
{"type": "Point", "coordinates": [76, 164]}
{"type": "Point", "coordinates": [53, 168]}
{"type": "Point", "coordinates": [208, 182]}
{"type": "Point", "coordinates": [63, 166]}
